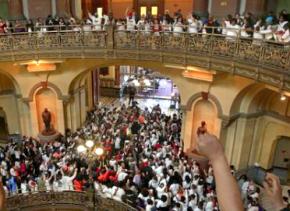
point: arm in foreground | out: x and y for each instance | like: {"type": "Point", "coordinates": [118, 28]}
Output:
{"type": "Point", "coordinates": [228, 192]}
{"type": "Point", "coordinates": [2, 197]}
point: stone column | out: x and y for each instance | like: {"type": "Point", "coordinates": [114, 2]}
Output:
{"type": "Point", "coordinates": [83, 107]}
{"type": "Point", "coordinates": [25, 8]}
{"type": "Point", "coordinates": [110, 5]}
{"type": "Point", "coordinates": [242, 7]}
{"type": "Point", "coordinates": [15, 9]}
{"type": "Point", "coordinates": [67, 112]}
{"type": "Point", "coordinates": [200, 7]}
{"type": "Point", "coordinates": [256, 7]}
{"type": "Point", "coordinates": [90, 90]}
{"type": "Point", "coordinates": [182, 135]}
{"type": "Point", "coordinates": [96, 86]}
{"type": "Point", "coordinates": [209, 8]}
{"type": "Point", "coordinates": [187, 129]}
{"type": "Point", "coordinates": [53, 7]}
{"type": "Point", "coordinates": [24, 117]}
{"type": "Point", "coordinates": [76, 110]}
{"type": "Point", "coordinates": [117, 76]}
{"type": "Point", "coordinates": [78, 9]}
{"type": "Point", "coordinates": [60, 116]}
{"type": "Point", "coordinates": [33, 119]}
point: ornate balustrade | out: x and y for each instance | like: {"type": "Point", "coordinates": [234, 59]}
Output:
{"type": "Point", "coordinates": [261, 60]}
{"type": "Point", "coordinates": [68, 199]}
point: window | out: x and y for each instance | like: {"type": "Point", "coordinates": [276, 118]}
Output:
{"type": "Point", "coordinates": [154, 11]}
{"type": "Point", "coordinates": [100, 11]}
{"type": "Point", "coordinates": [143, 11]}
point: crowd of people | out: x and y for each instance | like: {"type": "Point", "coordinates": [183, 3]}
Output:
{"type": "Point", "coordinates": [143, 164]}
{"type": "Point", "coordinates": [270, 27]}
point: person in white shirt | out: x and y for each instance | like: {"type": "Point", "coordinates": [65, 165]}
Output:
{"type": "Point", "coordinates": [193, 24]}
{"type": "Point", "coordinates": [226, 24]}
{"type": "Point", "coordinates": [162, 203]}
{"type": "Point", "coordinates": [233, 30]}
{"type": "Point", "coordinates": [286, 36]}
{"type": "Point", "coordinates": [118, 193]}
{"type": "Point", "coordinates": [131, 23]}
{"type": "Point", "coordinates": [177, 27]}
{"type": "Point", "coordinates": [67, 181]}
{"type": "Point", "coordinates": [267, 29]}
{"type": "Point", "coordinates": [24, 187]}
{"type": "Point", "coordinates": [209, 206]}
{"type": "Point", "coordinates": [141, 23]}
{"type": "Point", "coordinates": [96, 21]}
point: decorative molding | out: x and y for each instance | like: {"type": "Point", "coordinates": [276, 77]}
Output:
{"type": "Point", "coordinates": [211, 97]}
{"type": "Point", "coordinates": [275, 115]}
{"type": "Point", "coordinates": [43, 84]}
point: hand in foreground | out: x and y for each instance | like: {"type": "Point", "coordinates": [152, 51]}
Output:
{"type": "Point", "coordinates": [273, 190]}
{"type": "Point", "coordinates": [209, 146]}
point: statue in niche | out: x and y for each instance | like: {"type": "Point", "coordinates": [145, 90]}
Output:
{"type": "Point", "coordinates": [46, 117]}
{"type": "Point", "coordinates": [48, 133]}
{"type": "Point", "coordinates": [201, 129]}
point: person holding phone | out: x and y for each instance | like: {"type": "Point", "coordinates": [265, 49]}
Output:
{"type": "Point", "coordinates": [273, 193]}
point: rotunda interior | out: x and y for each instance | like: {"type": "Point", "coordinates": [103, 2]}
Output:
{"type": "Point", "coordinates": [144, 105]}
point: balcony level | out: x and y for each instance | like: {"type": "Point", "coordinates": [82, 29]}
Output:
{"type": "Point", "coordinates": [263, 61]}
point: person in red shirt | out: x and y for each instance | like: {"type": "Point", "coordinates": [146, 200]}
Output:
{"type": "Point", "coordinates": [78, 184]}
{"type": "Point", "coordinates": [3, 26]}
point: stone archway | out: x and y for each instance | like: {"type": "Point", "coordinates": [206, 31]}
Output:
{"type": "Point", "coordinates": [45, 95]}
{"type": "Point", "coordinates": [201, 107]}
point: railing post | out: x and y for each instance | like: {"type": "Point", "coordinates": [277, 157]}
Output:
{"type": "Point", "coordinates": [110, 36]}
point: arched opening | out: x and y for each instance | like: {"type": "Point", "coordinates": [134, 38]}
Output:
{"type": "Point", "coordinates": [45, 98]}
{"type": "Point", "coordinates": [259, 116]}
{"type": "Point", "coordinates": [8, 105]}
{"type": "Point", "coordinates": [281, 159]}
{"type": "Point", "coordinates": [111, 84]}
{"type": "Point", "coordinates": [3, 125]}
{"type": "Point", "coordinates": [204, 110]}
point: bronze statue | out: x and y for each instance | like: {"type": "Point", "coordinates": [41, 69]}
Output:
{"type": "Point", "coordinates": [202, 129]}
{"type": "Point", "coordinates": [46, 117]}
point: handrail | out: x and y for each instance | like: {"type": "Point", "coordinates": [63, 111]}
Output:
{"type": "Point", "coordinates": [69, 198]}
{"type": "Point", "coordinates": [102, 27]}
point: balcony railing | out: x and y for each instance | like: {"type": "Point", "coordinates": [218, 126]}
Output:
{"type": "Point", "coordinates": [67, 199]}
{"type": "Point", "coordinates": [186, 49]}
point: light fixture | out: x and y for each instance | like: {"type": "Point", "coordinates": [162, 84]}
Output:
{"type": "Point", "coordinates": [99, 151]}
{"type": "Point", "coordinates": [81, 148]}
{"type": "Point", "coordinates": [283, 97]}
{"type": "Point", "coordinates": [175, 66]}
{"type": "Point", "coordinates": [89, 143]}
